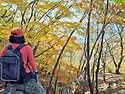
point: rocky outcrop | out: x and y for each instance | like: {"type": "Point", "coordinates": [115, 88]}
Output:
{"type": "Point", "coordinates": [30, 87]}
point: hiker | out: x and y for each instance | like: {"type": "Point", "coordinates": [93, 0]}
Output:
{"type": "Point", "coordinates": [17, 38]}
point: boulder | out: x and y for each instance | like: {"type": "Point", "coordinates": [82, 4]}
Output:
{"type": "Point", "coordinates": [122, 91]}
{"type": "Point", "coordinates": [31, 87]}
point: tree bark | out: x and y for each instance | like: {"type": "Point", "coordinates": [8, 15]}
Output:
{"type": "Point", "coordinates": [98, 63]}
{"type": "Point", "coordinates": [88, 49]}
{"type": "Point", "coordinates": [121, 53]}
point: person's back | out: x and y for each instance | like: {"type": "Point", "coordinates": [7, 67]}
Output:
{"type": "Point", "coordinates": [17, 38]}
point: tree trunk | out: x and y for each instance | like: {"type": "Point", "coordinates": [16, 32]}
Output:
{"type": "Point", "coordinates": [100, 52]}
{"type": "Point", "coordinates": [121, 53]}
{"type": "Point", "coordinates": [88, 50]}
{"type": "Point", "coordinates": [117, 71]}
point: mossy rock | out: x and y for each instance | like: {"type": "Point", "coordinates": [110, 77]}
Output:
{"type": "Point", "coordinates": [30, 87]}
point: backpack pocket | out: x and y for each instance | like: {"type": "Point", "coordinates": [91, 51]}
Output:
{"type": "Point", "coordinates": [10, 68]}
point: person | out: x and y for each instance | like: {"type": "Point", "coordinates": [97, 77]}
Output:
{"type": "Point", "coordinates": [16, 38]}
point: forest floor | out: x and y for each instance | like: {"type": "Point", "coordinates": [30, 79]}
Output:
{"type": "Point", "coordinates": [115, 84]}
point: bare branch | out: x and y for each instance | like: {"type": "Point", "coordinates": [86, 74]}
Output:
{"type": "Point", "coordinates": [59, 59]}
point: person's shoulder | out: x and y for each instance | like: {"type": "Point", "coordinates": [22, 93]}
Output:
{"type": "Point", "coordinates": [5, 47]}
{"type": "Point", "coordinates": [27, 46]}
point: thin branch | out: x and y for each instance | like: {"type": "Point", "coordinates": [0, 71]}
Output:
{"type": "Point", "coordinates": [43, 51]}
{"type": "Point", "coordinates": [59, 59]}
{"type": "Point", "coordinates": [112, 56]}
{"type": "Point", "coordinates": [35, 48]}
{"type": "Point", "coordinates": [33, 7]}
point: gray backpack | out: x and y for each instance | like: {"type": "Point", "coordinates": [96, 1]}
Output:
{"type": "Point", "coordinates": [12, 64]}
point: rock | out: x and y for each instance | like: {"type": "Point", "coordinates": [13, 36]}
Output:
{"type": "Point", "coordinates": [30, 87]}
{"type": "Point", "coordinates": [122, 91]}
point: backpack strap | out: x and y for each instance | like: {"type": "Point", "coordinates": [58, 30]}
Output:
{"type": "Point", "coordinates": [20, 46]}
{"type": "Point", "coordinates": [9, 47]}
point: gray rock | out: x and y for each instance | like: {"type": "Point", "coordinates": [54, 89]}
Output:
{"type": "Point", "coordinates": [122, 91]}
{"type": "Point", "coordinates": [30, 87]}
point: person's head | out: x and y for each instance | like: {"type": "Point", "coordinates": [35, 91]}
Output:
{"type": "Point", "coordinates": [17, 35]}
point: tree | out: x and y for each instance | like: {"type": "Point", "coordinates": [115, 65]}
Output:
{"type": "Point", "coordinates": [54, 30]}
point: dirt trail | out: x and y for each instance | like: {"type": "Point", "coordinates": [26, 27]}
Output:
{"type": "Point", "coordinates": [114, 83]}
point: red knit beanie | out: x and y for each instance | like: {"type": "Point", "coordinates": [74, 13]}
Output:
{"type": "Point", "coordinates": [17, 32]}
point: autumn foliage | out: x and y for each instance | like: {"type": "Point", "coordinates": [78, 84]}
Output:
{"type": "Point", "coordinates": [58, 33]}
